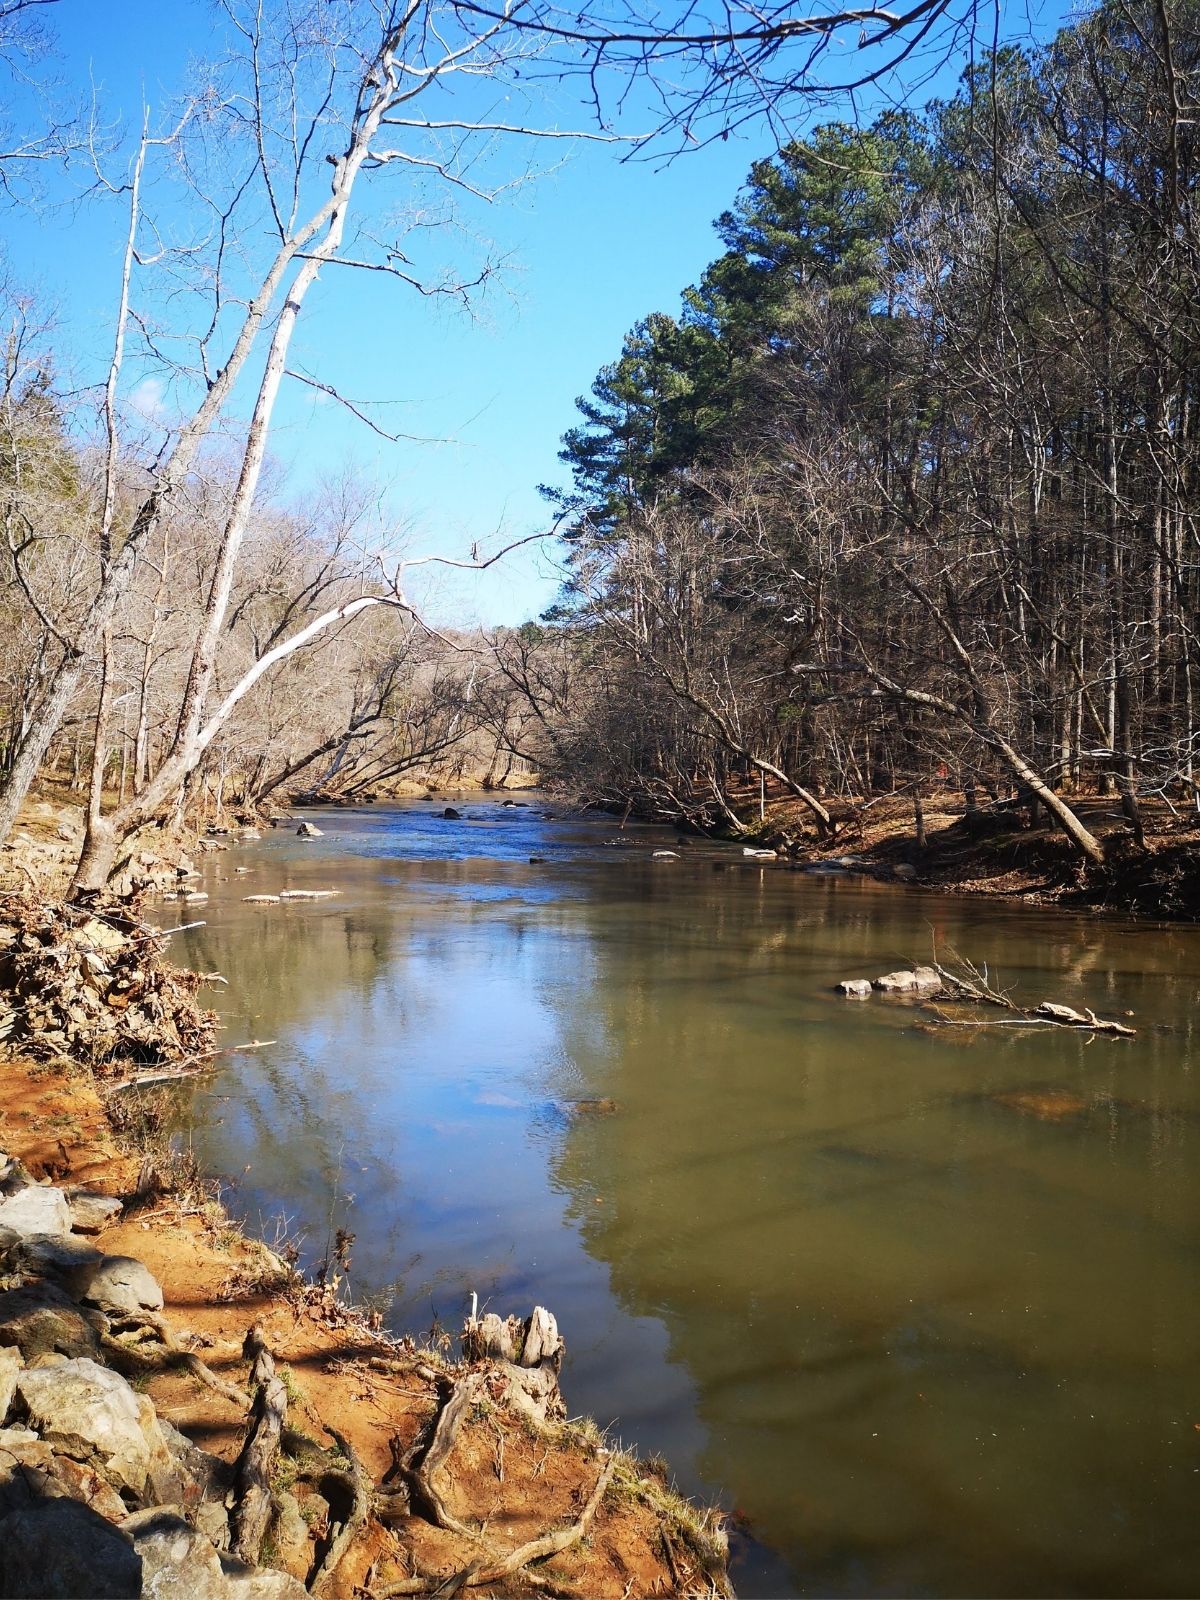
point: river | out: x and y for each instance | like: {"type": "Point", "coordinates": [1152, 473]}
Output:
{"type": "Point", "coordinates": [921, 1306]}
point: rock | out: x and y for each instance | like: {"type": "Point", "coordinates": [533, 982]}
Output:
{"type": "Point", "coordinates": [61, 1549]}
{"type": "Point", "coordinates": [51, 1252]}
{"type": "Point", "coordinates": [308, 894]}
{"type": "Point", "coordinates": [116, 1283]}
{"type": "Point", "coordinates": [289, 1534]}
{"type": "Point", "coordinates": [179, 1563]}
{"type": "Point", "coordinates": [904, 872]}
{"type": "Point", "coordinates": [308, 830]}
{"type": "Point", "coordinates": [666, 855]}
{"type": "Point", "coordinates": [204, 1477]}
{"type": "Point", "coordinates": [10, 1366]}
{"type": "Point", "coordinates": [39, 1318]}
{"type": "Point", "coordinates": [90, 1212]}
{"type": "Point", "coordinates": [921, 980]}
{"type": "Point", "coordinates": [13, 1174]}
{"type": "Point", "coordinates": [451, 815]}
{"type": "Point", "coordinates": [90, 1413]}
{"type": "Point", "coordinates": [856, 986]}
{"type": "Point", "coordinates": [260, 899]}
{"type": "Point", "coordinates": [78, 1481]}
{"type": "Point", "coordinates": [249, 835]}
{"type": "Point", "coordinates": [36, 1209]}
{"type": "Point", "coordinates": [759, 855]}
{"type": "Point", "coordinates": [536, 861]}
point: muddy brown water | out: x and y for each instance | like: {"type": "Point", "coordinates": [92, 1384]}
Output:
{"type": "Point", "coordinates": [920, 1307]}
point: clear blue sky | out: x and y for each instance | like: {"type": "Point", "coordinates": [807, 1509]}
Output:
{"type": "Point", "coordinates": [593, 245]}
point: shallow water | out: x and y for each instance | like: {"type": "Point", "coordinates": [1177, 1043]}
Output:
{"type": "Point", "coordinates": [923, 1340]}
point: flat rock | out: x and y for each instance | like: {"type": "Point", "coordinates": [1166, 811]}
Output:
{"type": "Point", "coordinates": [179, 1563]}
{"type": "Point", "coordinates": [39, 1319]}
{"type": "Point", "coordinates": [63, 1550]}
{"type": "Point", "coordinates": [117, 1283]}
{"type": "Point", "coordinates": [90, 1211]}
{"type": "Point", "coordinates": [666, 855]}
{"type": "Point", "coordinates": [36, 1209]}
{"type": "Point", "coordinates": [90, 1413]}
{"type": "Point", "coordinates": [918, 980]}
{"type": "Point", "coordinates": [308, 894]}
{"type": "Point", "coordinates": [260, 899]}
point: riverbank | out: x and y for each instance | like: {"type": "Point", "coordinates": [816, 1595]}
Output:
{"type": "Point", "coordinates": [389, 1467]}
{"type": "Point", "coordinates": [997, 853]}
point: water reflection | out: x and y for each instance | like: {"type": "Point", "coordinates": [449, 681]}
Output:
{"type": "Point", "coordinates": [926, 1340]}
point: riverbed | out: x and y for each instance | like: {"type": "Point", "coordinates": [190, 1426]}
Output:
{"type": "Point", "coordinates": [920, 1306]}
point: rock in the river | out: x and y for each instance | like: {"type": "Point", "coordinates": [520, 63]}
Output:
{"type": "Point", "coordinates": [666, 855]}
{"type": "Point", "coordinates": [451, 815]}
{"type": "Point", "coordinates": [759, 855]}
{"type": "Point", "coordinates": [117, 1283]}
{"type": "Point", "coordinates": [308, 894]}
{"type": "Point", "coordinates": [308, 830]}
{"type": "Point", "coordinates": [90, 1413]}
{"type": "Point", "coordinates": [179, 1563]}
{"type": "Point", "coordinates": [63, 1550]}
{"type": "Point", "coordinates": [36, 1209]}
{"type": "Point", "coordinates": [38, 1319]}
{"type": "Point", "coordinates": [855, 986]}
{"type": "Point", "coordinates": [90, 1212]}
{"type": "Point", "coordinates": [920, 980]}
{"type": "Point", "coordinates": [260, 899]}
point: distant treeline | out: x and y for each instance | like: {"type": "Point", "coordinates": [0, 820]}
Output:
{"type": "Point", "coordinates": [908, 491]}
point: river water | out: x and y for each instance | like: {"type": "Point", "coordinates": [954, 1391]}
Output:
{"type": "Point", "coordinates": [921, 1306]}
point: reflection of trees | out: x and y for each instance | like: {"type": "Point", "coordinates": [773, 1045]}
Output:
{"type": "Point", "coordinates": [865, 1263]}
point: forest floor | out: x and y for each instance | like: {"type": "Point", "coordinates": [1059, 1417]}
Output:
{"type": "Point", "coordinates": [550, 1498]}
{"type": "Point", "coordinates": [996, 852]}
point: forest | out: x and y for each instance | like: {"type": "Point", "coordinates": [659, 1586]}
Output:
{"type": "Point", "coordinates": [903, 499]}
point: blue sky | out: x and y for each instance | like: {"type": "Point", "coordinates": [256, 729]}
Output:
{"type": "Point", "coordinates": [590, 246]}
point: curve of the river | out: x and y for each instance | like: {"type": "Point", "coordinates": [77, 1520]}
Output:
{"type": "Point", "coordinates": [920, 1305]}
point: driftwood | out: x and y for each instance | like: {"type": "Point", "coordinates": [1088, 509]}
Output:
{"type": "Point", "coordinates": [252, 1511]}
{"type": "Point", "coordinates": [496, 1567]}
{"type": "Point", "coordinates": [972, 984]}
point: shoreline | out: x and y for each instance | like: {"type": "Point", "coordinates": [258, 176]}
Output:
{"type": "Point", "coordinates": [519, 1500]}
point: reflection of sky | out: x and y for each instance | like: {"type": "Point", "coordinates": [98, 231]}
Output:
{"type": "Point", "coordinates": [805, 1212]}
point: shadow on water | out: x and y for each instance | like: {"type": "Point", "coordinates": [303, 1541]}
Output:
{"type": "Point", "coordinates": [920, 1307]}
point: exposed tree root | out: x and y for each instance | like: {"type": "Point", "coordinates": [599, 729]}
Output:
{"type": "Point", "coordinates": [171, 1354]}
{"type": "Point", "coordinates": [360, 1489]}
{"type": "Point", "coordinates": [496, 1567]}
{"type": "Point", "coordinates": [252, 1512]}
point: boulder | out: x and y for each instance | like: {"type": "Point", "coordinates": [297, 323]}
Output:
{"type": "Point", "coordinates": [36, 1209]}
{"type": "Point", "coordinates": [90, 1413]}
{"type": "Point", "coordinates": [308, 830]}
{"type": "Point", "coordinates": [179, 1563]}
{"type": "Point", "coordinates": [61, 1549]}
{"type": "Point", "coordinates": [116, 1283]}
{"type": "Point", "coordinates": [451, 815]}
{"type": "Point", "coordinates": [855, 986]}
{"type": "Point", "coordinates": [90, 1212]}
{"type": "Point", "coordinates": [59, 1253]}
{"type": "Point", "coordinates": [38, 1319]}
